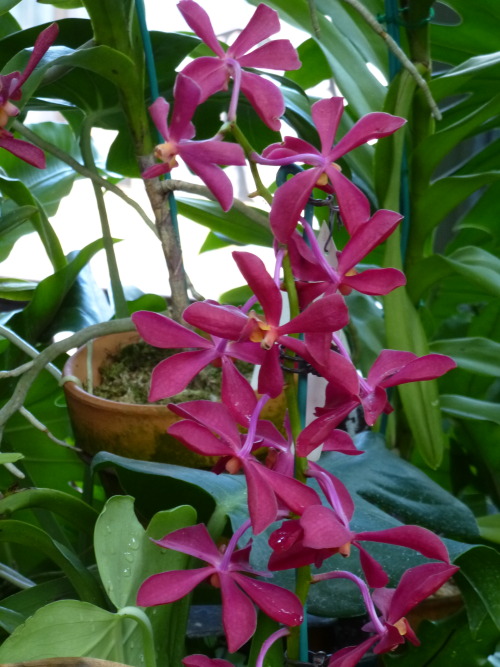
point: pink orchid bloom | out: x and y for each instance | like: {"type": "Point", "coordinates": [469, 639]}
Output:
{"type": "Point", "coordinates": [312, 266]}
{"type": "Point", "coordinates": [210, 429]}
{"type": "Point", "coordinates": [173, 374]}
{"type": "Point", "coordinates": [199, 660]}
{"type": "Point", "coordinates": [325, 315]}
{"type": "Point", "coordinates": [392, 368]}
{"type": "Point", "coordinates": [228, 570]}
{"type": "Point", "coordinates": [202, 157]}
{"type": "Point", "coordinates": [291, 197]}
{"type": "Point", "coordinates": [392, 628]}
{"type": "Point", "coordinates": [322, 531]}
{"type": "Point", "coordinates": [10, 89]}
{"type": "Point", "coordinates": [212, 74]}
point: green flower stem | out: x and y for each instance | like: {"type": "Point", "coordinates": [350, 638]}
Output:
{"type": "Point", "coordinates": [147, 632]}
{"type": "Point", "coordinates": [81, 169]}
{"type": "Point", "coordinates": [121, 309]}
{"type": "Point", "coordinates": [249, 150]}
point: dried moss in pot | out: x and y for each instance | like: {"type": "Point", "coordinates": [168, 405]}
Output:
{"type": "Point", "coordinates": [126, 376]}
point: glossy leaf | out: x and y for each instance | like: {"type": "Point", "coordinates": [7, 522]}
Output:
{"type": "Point", "coordinates": [470, 408]}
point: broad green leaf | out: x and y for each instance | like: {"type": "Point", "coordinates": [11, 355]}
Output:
{"type": "Point", "coordinates": [480, 566]}
{"type": "Point", "coordinates": [478, 355]}
{"type": "Point", "coordinates": [244, 224]}
{"type": "Point", "coordinates": [477, 265]}
{"type": "Point", "coordinates": [20, 532]}
{"type": "Point", "coordinates": [443, 196]}
{"type": "Point", "coordinates": [314, 69]}
{"type": "Point", "coordinates": [470, 408]}
{"type": "Point", "coordinates": [237, 296]}
{"type": "Point", "coordinates": [50, 185]}
{"type": "Point", "coordinates": [20, 193]}
{"type": "Point", "coordinates": [124, 553]}
{"type": "Point", "coordinates": [6, 5]}
{"type": "Point", "coordinates": [17, 290]}
{"type": "Point", "coordinates": [49, 295]}
{"type": "Point", "coordinates": [489, 527]}
{"type": "Point", "coordinates": [12, 219]}
{"type": "Point", "coordinates": [29, 600]}
{"type": "Point", "coordinates": [69, 507]}
{"type": "Point", "coordinates": [67, 628]}
{"type": "Point", "coordinates": [9, 457]}
{"type": "Point", "coordinates": [103, 60]}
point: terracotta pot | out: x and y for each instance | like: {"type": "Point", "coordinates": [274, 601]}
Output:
{"type": "Point", "coordinates": [134, 431]}
{"type": "Point", "coordinates": [126, 429]}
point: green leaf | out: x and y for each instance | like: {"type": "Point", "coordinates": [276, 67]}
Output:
{"type": "Point", "coordinates": [480, 567]}
{"type": "Point", "coordinates": [470, 408]}
{"type": "Point", "coordinates": [63, 4]}
{"type": "Point", "coordinates": [20, 193]}
{"type": "Point", "coordinates": [6, 5]}
{"type": "Point", "coordinates": [50, 294]}
{"type": "Point", "coordinates": [314, 69]}
{"type": "Point", "coordinates": [17, 290]}
{"type": "Point", "coordinates": [10, 620]}
{"type": "Point", "coordinates": [477, 265]}
{"type": "Point", "coordinates": [69, 507]}
{"type": "Point", "coordinates": [30, 536]}
{"type": "Point", "coordinates": [8, 457]}
{"type": "Point", "coordinates": [489, 527]}
{"type": "Point", "coordinates": [67, 628]}
{"type": "Point", "coordinates": [126, 556]}
{"type": "Point", "coordinates": [478, 355]}
{"type": "Point", "coordinates": [245, 225]}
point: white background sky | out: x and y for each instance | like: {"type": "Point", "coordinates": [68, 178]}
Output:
{"type": "Point", "coordinates": [139, 255]}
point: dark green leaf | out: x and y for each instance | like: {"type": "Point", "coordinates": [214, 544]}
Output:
{"type": "Point", "coordinates": [481, 567]}
{"type": "Point", "coordinates": [6, 5]}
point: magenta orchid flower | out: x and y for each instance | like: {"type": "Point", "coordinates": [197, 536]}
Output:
{"type": "Point", "coordinates": [325, 315]}
{"type": "Point", "coordinates": [210, 429]}
{"type": "Point", "coordinates": [392, 628]}
{"type": "Point", "coordinates": [199, 660]}
{"type": "Point", "coordinates": [291, 197]}
{"type": "Point", "coordinates": [173, 374]}
{"type": "Point", "coordinates": [10, 89]}
{"type": "Point", "coordinates": [202, 157]}
{"type": "Point", "coordinates": [319, 274]}
{"type": "Point", "coordinates": [228, 570]}
{"type": "Point", "coordinates": [212, 74]}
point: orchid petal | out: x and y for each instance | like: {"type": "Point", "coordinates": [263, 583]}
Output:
{"type": "Point", "coordinates": [22, 149]}
{"type": "Point", "coordinates": [214, 178]}
{"type": "Point", "coordinates": [324, 479]}
{"type": "Point", "coordinates": [278, 54]}
{"type": "Point", "coordinates": [264, 23]}
{"type": "Point", "coordinates": [290, 147]}
{"type": "Point", "coordinates": [387, 364]}
{"type": "Point", "coordinates": [262, 503]}
{"type": "Point", "coordinates": [320, 429]}
{"type": "Point", "coordinates": [278, 603]}
{"type": "Point", "coordinates": [265, 97]}
{"type": "Point", "coordinates": [428, 367]}
{"type": "Point", "coordinates": [375, 574]}
{"type": "Point", "coordinates": [416, 585]}
{"type": "Point", "coordinates": [213, 416]}
{"type": "Point", "coordinates": [372, 126]}
{"type": "Point", "coordinates": [327, 314]}
{"type": "Point", "coordinates": [198, 660]}
{"type": "Point", "coordinates": [211, 75]}
{"type": "Point", "coordinates": [322, 528]}
{"type": "Point", "coordinates": [262, 285]}
{"type": "Point", "coordinates": [193, 541]}
{"type": "Point", "coordinates": [296, 495]}
{"type": "Point", "coordinates": [156, 170]}
{"type": "Point", "coordinates": [172, 375]}
{"type": "Point", "coordinates": [199, 22]}
{"type": "Point", "coordinates": [326, 115]}
{"type": "Point", "coordinates": [289, 201]}
{"type": "Point", "coordinates": [351, 655]}
{"type": "Point", "coordinates": [340, 441]}
{"type": "Point", "coordinates": [159, 114]}
{"type": "Point", "coordinates": [160, 331]}
{"type": "Point", "coordinates": [170, 586]}
{"type": "Point", "coordinates": [224, 321]}
{"type": "Point", "coordinates": [239, 617]}
{"type": "Point", "coordinates": [374, 404]}
{"type": "Point", "coordinates": [376, 282]}
{"type": "Point", "coordinates": [367, 237]}
{"type": "Point", "coordinates": [270, 374]}
{"type": "Point", "coordinates": [354, 207]}
{"type": "Point", "coordinates": [198, 439]}
{"type": "Point", "coordinates": [44, 40]}
{"type": "Point", "coordinates": [187, 95]}
{"type": "Point", "coordinates": [414, 537]}
{"type": "Point", "coordinates": [236, 393]}
{"type": "Point", "coordinates": [253, 353]}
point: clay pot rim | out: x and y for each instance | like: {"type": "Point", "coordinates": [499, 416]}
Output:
{"type": "Point", "coordinates": [82, 395]}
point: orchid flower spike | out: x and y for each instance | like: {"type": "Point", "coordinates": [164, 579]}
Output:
{"type": "Point", "coordinates": [10, 89]}
{"type": "Point", "coordinates": [213, 73]}
{"type": "Point", "coordinates": [202, 157]}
